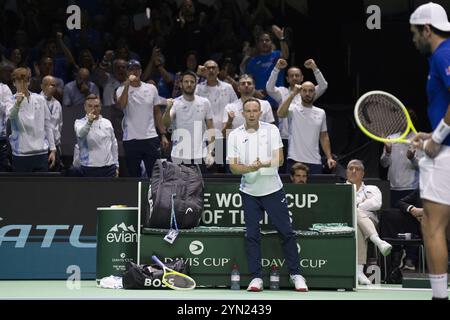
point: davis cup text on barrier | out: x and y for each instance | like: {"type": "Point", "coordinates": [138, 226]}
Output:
{"type": "Point", "coordinates": [326, 261]}
{"type": "Point", "coordinates": [307, 204]}
{"type": "Point", "coordinates": [116, 240]}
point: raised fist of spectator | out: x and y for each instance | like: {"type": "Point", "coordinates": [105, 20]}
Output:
{"type": "Point", "coordinates": [281, 64]}
{"type": "Point", "coordinates": [247, 51]}
{"type": "Point", "coordinates": [310, 64]}
{"type": "Point", "coordinates": [19, 98]}
{"type": "Point", "coordinates": [169, 103]}
{"type": "Point", "coordinates": [278, 32]}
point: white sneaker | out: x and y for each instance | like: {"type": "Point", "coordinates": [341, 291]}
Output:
{"type": "Point", "coordinates": [363, 280]}
{"type": "Point", "coordinates": [299, 283]}
{"type": "Point", "coordinates": [256, 285]}
{"type": "Point", "coordinates": [385, 248]}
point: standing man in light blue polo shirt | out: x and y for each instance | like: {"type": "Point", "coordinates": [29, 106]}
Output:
{"type": "Point", "coordinates": [255, 150]}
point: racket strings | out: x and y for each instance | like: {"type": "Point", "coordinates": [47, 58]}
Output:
{"type": "Point", "coordinates": [381, 115]}
{"type": "Point", "coordinates": [180, 281]}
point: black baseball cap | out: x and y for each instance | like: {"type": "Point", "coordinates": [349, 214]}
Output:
{"type": "Point", "coordinates": [134, 64]}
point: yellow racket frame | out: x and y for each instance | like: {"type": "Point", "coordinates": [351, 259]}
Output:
{"type": "Point", "coordinates": [409, 124]}
{"type": "Point", "coordinates": [167, 272]}
{"type": "Point", "coordinates": [170, 285]}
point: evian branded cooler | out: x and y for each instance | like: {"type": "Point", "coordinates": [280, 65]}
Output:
{"type": "Point", "coordinates": [116, 240]}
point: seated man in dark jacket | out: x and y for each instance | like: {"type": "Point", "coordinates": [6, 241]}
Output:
{"type": "Point", "coordinates": [412, 212]}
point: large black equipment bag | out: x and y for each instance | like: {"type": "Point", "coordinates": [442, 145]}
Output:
{"type": "Point", "coordinates": [149, 276]}
{"type": "Point", "coordinates": [186, 185]}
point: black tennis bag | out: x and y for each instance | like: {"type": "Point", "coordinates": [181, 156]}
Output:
{"type": "Point", "coordinates": [186, 184]}
{"type": "Point", "coordinates": [149, 276]}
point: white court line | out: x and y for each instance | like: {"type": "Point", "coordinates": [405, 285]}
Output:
{"type": "Point", "coordinates": [379, 287]}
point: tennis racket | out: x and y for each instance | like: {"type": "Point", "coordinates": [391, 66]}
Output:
{"type": "Point", "coordinates": [174, 279]}
{"type": "Point", "coordinates": [379, 114]}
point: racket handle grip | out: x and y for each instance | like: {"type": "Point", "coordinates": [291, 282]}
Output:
{"type": "Point", "coordinates": [155, 258]}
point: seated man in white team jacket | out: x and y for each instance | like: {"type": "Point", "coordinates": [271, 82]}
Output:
{"type": "Point", "coordinates": [97, 143]}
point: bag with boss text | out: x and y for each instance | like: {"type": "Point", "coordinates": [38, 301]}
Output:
{"type": "Point", "coordinates": [149, 276]}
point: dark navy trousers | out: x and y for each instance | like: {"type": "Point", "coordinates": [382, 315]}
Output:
{"type": "Point", "coordinates": [147, 150]}
{"type": "Point", "coordinates": [275, 204]}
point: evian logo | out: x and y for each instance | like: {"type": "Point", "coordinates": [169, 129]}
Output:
{"type": "Point", "coordinates": [196, 247]}
{"type": "Point", "coordinates": [122, 233]}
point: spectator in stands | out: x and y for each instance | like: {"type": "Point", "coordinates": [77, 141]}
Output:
{"type": "Point", "coordinates": [98, 153]}
{"type": "Point", "coordinates": [280, 94]}
{"type": "Point", "coordinates": [368, 201]}
{"type": "Point", "coordinates": [109, 83]}
{"type": "Point", "coordinates": [16, 58]}
{"type": "Point", "coordinates": [49, 89]}
{"type": "Point", "coordinates": [157, 74]}
{"type": "Point", "coordinates": [402, 162]}
{"type": "Point", "coordinates": [192, 119]}
{"type": "Point", "coordinates": [299, 173]}
{"type": "Point", "coordinates": [123, 51]}
{"type": "Point", "coordinates": [86, 60]}
{"type": "Point", "coordinates": [41, 70]}
{"type": "Point", "coordinates": [233, 116]}
{"type": "Point", "coordinates": [5, 96]}
{"type": "Point", "coordinates": [55, 49]}
{"type": "Point", "coordinates": [308, 127]}
{"type": "Point", "coordinates": [75, 92]}
{"type": "Point", "coordinates": [191, 64]}
{"type": "Point", "coordinates": [6, 70]}
{"type": "Point", "coordinates": [189, 31]}
{"type": "Point", "coordinates": [225, 38]}
{"type": "Point", "coordinates": [261, 65]}
{"type": "Point", "coordinates": [219, 94]}
{"type": "Point", "coordinates": [255, 151]}
{"type": "Point", "coordinates": [142, 117]}
{"type": "Point", "coordinates": [228, 73]}
{"type": "Point", "coordinates": [31, 136]}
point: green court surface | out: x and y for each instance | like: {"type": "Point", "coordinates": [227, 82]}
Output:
{"type": "Point", "coordinates": [57, 289]}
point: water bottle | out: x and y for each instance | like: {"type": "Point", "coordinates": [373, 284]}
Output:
{"type": "Point", "coordinates": [274, 278]}
{"type": "Point", "coordinates": [405, 236]}
{"type": "Point", "coordinates": [235, 278]}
